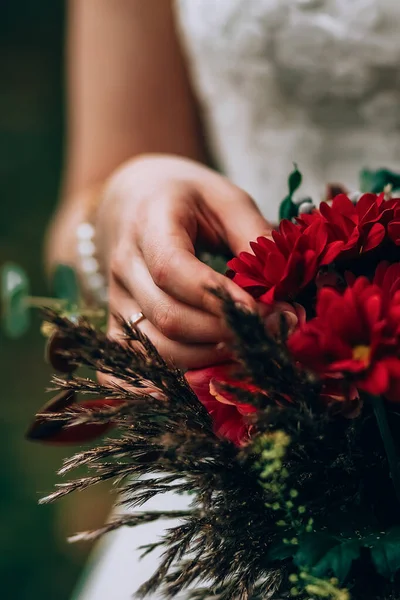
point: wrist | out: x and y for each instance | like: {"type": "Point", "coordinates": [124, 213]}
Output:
{"type": "Point", "coordinates": [71, 240]}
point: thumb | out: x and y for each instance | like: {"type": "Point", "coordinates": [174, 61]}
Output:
{"type": "Point", "coordinates": [243, 222]}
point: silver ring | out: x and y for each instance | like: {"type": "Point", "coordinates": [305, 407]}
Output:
{"type": "Point", "coordinates": [136, 318]}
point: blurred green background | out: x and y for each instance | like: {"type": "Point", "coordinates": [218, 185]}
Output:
{"type": "Point", "coordinates": [35, 560]}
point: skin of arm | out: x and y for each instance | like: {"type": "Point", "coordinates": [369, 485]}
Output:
{"type": "Point", "coordinates": [128, 94]}
{"type": "Point", "coordinates": [134, 149]}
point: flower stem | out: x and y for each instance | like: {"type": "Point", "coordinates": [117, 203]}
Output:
{"type": "Point", "coordinates": [387, 438]}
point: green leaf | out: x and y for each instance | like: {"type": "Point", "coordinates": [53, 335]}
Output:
{"type": "Point", "coordinates": [14, 294]}
{"type": "Point", "coordinates": [288, 209]}
{"type": "Point", "coordinates": [324, 555]}
{"type": "Point", "coordinates": [312, 548]}
{"type": "Point", "coordinates": [281, 551]}
{"type": "Point", "coordinates": [65, 284]}
{"type": "Point", "coordinates": [375, 181]}
{"type": "Point", "coordinates": [294, 180]}
{"type": "Point", "coordinates": [385, 553]}
{"type": "Point", "coordinates": [338, 560]}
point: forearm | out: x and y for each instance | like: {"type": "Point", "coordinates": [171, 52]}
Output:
{"type": "Point", "coordinates": [128, 94]}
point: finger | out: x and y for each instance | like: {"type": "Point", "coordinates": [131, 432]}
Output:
{"type": "Point", "coordinates": [186, 356]}
{"type": "Point", "coordinates": [242, 221]}
{"type": "Point", "coordinates": [174, 319]}
{"type": "Point", "coordinates": [168, 252]}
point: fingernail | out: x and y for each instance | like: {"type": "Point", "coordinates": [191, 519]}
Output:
{"type": "Point", "coordinates": [243, 307]}
{"type": "Point", "coordinates": [221, 347]}
{"type": "Point", "coordinates": [291, 320]}
{"type": "Point", "coordinates": [223, 351]}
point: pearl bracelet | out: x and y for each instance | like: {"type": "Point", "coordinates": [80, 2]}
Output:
{"type": "Point", "coordinates": [93, 280]}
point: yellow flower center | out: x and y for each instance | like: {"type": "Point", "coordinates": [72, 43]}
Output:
{"type": "Point", "coordinates": [362, 353]}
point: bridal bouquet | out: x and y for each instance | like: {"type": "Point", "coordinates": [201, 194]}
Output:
{"type": "Point", "coordinates": [289, 453]}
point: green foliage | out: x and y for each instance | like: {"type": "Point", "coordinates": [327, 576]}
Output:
{"type": "Point", "coordinates": [294, 180]}
{"type": "Point", "coordinates": [36, 561]}
{"type": "Point", "coordinates": [376, 181]}
{"type": "Point", "coordinates": [65, 285]}
{"type": "Point", "coordinates": [385, 553]}
{"type": "Point", "coordinates": [14, 297]}
{"type": "Point", "coordinates": [323, 555]}
{"type": "Point", "coordinates": [281, 550]}
{"type": "Point", "coordinates": [312, 548]}
{"type": "Point", "coordinates": [288, 209]}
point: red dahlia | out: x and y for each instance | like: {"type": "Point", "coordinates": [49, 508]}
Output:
{"type": "Point", "coordinates": [356, 334]}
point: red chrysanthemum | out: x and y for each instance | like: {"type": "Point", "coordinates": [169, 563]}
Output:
{"type": "Point", "coordinates": [280, 268]}
{"type": "Point", "coordinates": [356, 334]}
{"type": "Point", "coordinates": [228, 415]}
{"type": "Point", "coordinates": [357, 228]}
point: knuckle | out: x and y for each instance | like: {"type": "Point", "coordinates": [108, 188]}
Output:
{"type": "Point", "coordinates": [115, 266]}
{"type": "Point", "coordinates": [249, 199]}
{"type": "Point", "coordinates": [117, 261]}
{"type": "Point", "coordinates": [243, 196]}
{"type": "Point", "coordinates": [214, 281]}
{"type": "Point", "coordinates": [161, 271]}
{"type": "Point", "coordinates": [167, 321]}
{"type": "Point", "coordinates": [208, 298]}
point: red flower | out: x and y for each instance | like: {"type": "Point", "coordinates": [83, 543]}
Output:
{"type": "Point", "coordinates": [356, 334]}
{"type": "Point", "coordinates": [387, 278]}
{"type": "Point", "coordinates": [229, 416]}
{"type": "Point", "coordinates": [60, 431]}
{"type": "Point", "coordinates": [357, 228]}
{"type": "Point", "coordinates": [281, 268]}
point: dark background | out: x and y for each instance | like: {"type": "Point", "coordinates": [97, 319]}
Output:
{"type": "Point", "coordinates": [35, 560]}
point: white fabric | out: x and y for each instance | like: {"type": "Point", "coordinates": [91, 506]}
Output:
{"type": "Point", "coordinates": [315, 82]}
{"type": "Point", "coordinates": [115, 570]}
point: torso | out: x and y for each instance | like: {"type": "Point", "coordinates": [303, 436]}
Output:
{"type": "Point", "coordinates": [316, 82]}
{"type": "Point", "coordinates": [311, 81]}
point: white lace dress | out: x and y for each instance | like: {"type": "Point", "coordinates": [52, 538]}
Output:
{"type": "Point", "coordinates": [315, 82]}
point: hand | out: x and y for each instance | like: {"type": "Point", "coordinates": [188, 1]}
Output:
{"type": "Point", "coordinates": [157, 210]}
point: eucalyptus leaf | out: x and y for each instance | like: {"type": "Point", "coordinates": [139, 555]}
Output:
{"type": "Point", "coordinates": [65, 284]}
{"type": "Point", "coordinates": [14, 295]}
